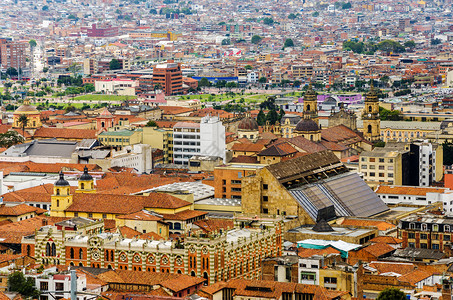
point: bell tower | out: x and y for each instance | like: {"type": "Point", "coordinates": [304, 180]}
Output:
{"type": "Point", "coordinates": [61, 198]}
{"type": "Point", "coordinates": [370, 117]}
{"type": "Point", "coordinates": [86, 183]}
{"type": "Point", "coordinates": [311, 104]}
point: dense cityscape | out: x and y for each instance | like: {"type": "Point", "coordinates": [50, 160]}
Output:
{"type": "Point", "coordinates": [211, 150]}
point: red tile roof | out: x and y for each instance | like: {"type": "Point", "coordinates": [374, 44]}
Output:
{"type": "Point", "coordinates": [65, 133]}
{"type": "Point", "coordinates": [408, 190]}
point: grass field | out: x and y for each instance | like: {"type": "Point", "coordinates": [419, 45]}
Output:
{"type": "Point", "coordinates": [103, 98]}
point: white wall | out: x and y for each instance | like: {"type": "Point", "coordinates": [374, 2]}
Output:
{"type": "Point", "coordinates": [212, 137]}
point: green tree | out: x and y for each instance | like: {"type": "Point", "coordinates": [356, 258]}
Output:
{"type": "Point", "coordinates": [23, 121]}
{"type": "Point", "coordinates": [256, 39]}
{"type": "Point", "coordinates": [153, 11]}
{"type": "Point", "coordinates": [296, 83]}
{"type": "Point", "coordinates": [409, 44]}
{"type": "Point", "coordinates": [315, 14]}
{"type": "Point", "coordinates": [45, 8]}
{"type": "Point", "coordinates": [151, 123]}
{"type": "Point", "coordinates": [389, 115]}
{"type": "Point", "coordinates": [346, 5]}
{"type": "Point", "coordinates": [261, 118]}
{"type": "Point", "coordinates": [292, 16]}
{"type": "Point", "coordinates": [248, 67]}
{"type": "Point", "coordinates": [204, 82]}
{"type": "Point", "coordinates": [25, 286]}
{"type": "Point", "coordinates": [391, 46]}
{"type": "Point", "coordinates": [268, 21]}
{"type": "Point", "coordinates": [272, 116]}
{"type": "Point", "coordinates": [12, 71]}
{"type": "Point", "coordinates": [226, 42]}
{"type": "Point", "coordinates": [10, 138]}
{"type": "Point", "coordinates": [288, 43]}
{"type": "Point", "coordinates": [115, 64]}
{"type": "Point", "coordinates": [435, 41]}
{"type": "Point", "coordinates": [32, 43]}
{"type": "Point", "coordinates": [391, 294]}
{"type": "Point", "coordinates": [262, 80]}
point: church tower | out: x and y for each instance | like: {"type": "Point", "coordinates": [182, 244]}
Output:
{"type": "Point", "coordinates": [370, 117]}
{"type": "Point", "coordinates": [86, 183]}
{"type": "Point", "coordinates": [311, 104]}
{"type": "Point", "coordinates": [61, 198]}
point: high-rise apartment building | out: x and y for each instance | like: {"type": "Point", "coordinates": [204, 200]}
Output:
{"type": "Point", "coordinates": [13, 54]}
{"type": "Point", "coordinates": [169, 77]}
{"type": "Point", "coordinates": [204, 138]}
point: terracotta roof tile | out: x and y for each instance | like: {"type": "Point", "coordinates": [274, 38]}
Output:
{"type": "Point", "coordinates": [211, 225]}
{"type": "Point", "coordinates": [379, 249]}
{"type": "Point", "coordinates": [408, 190]}
{"type": "Point", "coordinates": [380, 225]}
{"type": "Point", "coordinates": [184, 215]}
{"type": "Point", "coordinates": [65, 133]}
{"type": "Point", "coordinates": [386, 239]}
{"type": "Point", "coordinates": [17, 210]}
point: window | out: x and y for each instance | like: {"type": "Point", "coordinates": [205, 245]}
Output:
{"type": "Point", "coordinates": [435, 246]}
{"type": "Point", "coordinates": [412, 226]}
{"type": "Point", "coordinates": [308, 276]}
{"type": "Point", "coordinates": [424, 227]}
{"type": "Point", "coordinates": [423, 246]}
{"type": "Point", "coordinates": [411, 245]}
{"type": "Point", "coordinates": [332, 280]}
{"type": "Point", "coordinates": [381, 160]}
{"type": "Point", "coordinates": [44, 286]}
{"type": "Point", "coordinates": [447, 228]}
{"type": "Point", "coordinates": [265, 211]}
{"type": "Point", "coordinates": [265, 186]}
{"type": "Point", "coordinates": [90, 215]}
{"type": "Point", "coordinates": [411, 235]}
{"type": "Point", "coordinates": [423, 236]}
{"type": "Point", "coordinates": [435, 227]}
{"type": "Point", "coordinates": [372, 159]}
{"type": "Point", "coordinates": [446, 237]}
{"type": "Point", "coordinates": [265, 199]}
{"type": "Point", "coordinates": [59, 286]}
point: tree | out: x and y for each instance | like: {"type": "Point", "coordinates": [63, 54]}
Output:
{"type": "Point", "coordinates": [272, 116]}
{"type": "Point", "coordinates": [153, 11]}
{"type": "Point", "coordinates": [391, 294]}
{"type": "Point", "coordinates": [261, 118]}
{"type": "Point", "coordinates": [7, 86]}
{"type": "Point", "coordinates": [262, 80]}
{"type": "Point", "coordinates": [292, 16]}
{"type": "Point", "coordinates": [346, 5]}
{"type": "Point", "coordinates": [315, 14]}
{"type": "Point", "coordinates": [10, 138]}
{"type": "Point", "coordinates": [288, 43]}
{"type": "Point", "coordinates": [296, 83]}
{"type": "Point", "coordinates": [268, 21]}
{"type": "Point", "coordinates": [256, 39]}
{"type": "Point", "coordinates": [409, 44]}
{"type": "Point", "coordinates": [226, 42]}
{"type": "Point", "coordinates": [248, 67]}
{"type": "Point", "coordinates": [115, 64]}
{"type": "Point", "coordinates": [12, 71]}
{"type": "Point", "coordinates": [45, 69]}
{"type": "Point", "coordinates": [45, 8]}
{"type": "Point", "coordinates": [23, 120]}
{"type": "Point", "coordinates": [25, 286]}
{"type": "Point", "coordinates": [151, 123]}
{"type": "Point", "coordinates": [204, 82]}
{"type": "Point", "coordinates": [32, 43]}
{"type": "Point", "coordinates": [157, 86]}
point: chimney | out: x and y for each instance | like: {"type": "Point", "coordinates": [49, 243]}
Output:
{"type": "Point", "coordinates": [44, 222]}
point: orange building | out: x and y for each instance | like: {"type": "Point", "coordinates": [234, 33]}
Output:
{"type": "Point", "coordinates": [169, 77]}
{"type": "Point", "coordinates": [228, 179]}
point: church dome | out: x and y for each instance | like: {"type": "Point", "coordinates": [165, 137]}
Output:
{"type": "Point", "coordinates": [26, 108]}
{"type": "Point", "coordinates": [61, 181]}
{"type": "Point", "coordinates": [86, 176]}
{"type": "Point", "coordinates": [248, 124]}
{"type": "Point", "coordinates": [307, 125]}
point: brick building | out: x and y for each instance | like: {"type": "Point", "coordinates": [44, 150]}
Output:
{"type": "Point", "coordinates": [95, 31]}
{"type": "Point", "coordinates": [217, 256]}
{"type": "Point", "coordinates": [169, 77]}
{"type": "Point", "coordinates": [13, 54]}
{"type": "Point", "coordinates": [426, 232]}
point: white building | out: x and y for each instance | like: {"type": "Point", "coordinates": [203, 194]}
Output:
{"type": "Point", "coordinates": [204, 138]}
{"type": "Point", "coordinates": [137, 156]}
{"type": "Point", "coordinates": [427, 162]}
{"type": "Point", "coordinates": [57, 286]}
{"type": "Point", "coordinates": [116, 86]}
{"type": "Point", "coordinates": [415, 195]}
{"type": "Point", "coordinates": [252, 77]}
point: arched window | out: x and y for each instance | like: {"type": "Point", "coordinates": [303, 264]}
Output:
{"type": "Point", "coordinates": [170, 225]}
{"type": "Point", "coordinates": [48, 249]}
{"type": "Point", "coordinates": [177, 226]}
{"type": "Point", "coordinates": [58, 191]}
{"type": "Point", "coordinates": [109, 267]}
{"type": "Point", "coordinates": [192, 274]}
{"type": "Point", "coordinates": [28, 250]}
{"type": "Point", "coordinates": [370, 109]}
{"type": "Point", "coordinates": [102, 124]}
{"type": "Point", "coordinates": [308, 107]}
{"type": "Point", "coordinates": [107, 255]}
{"type": "Point", "coordinates": [311, 137]}
{"type": "Point", "coordinates": [54, 250]}
{"type": "Point", "coordinates": [82, 185]}
{"type": "Point", "coordinates": [80, 253]}
{"type": "Point", "coordinates": [71, 253]}
{"type": "Point", "coordinates": [369, 129]}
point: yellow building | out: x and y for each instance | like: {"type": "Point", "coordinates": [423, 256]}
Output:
{"type": "Point", "coordinates": [145, 222]}
{"type": "Point", "coordinates": [370, 116]}
{"type": "Point", "coordinates": [121, 138]}
{"type": "Point", "coordinates": [404, 131]}
{"type": "Point", "coordinates": [33, 117]}
{"type": "Point", "coordinates": [160, 138]}
{"type": "Point", "coordinates": [382, 167]}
